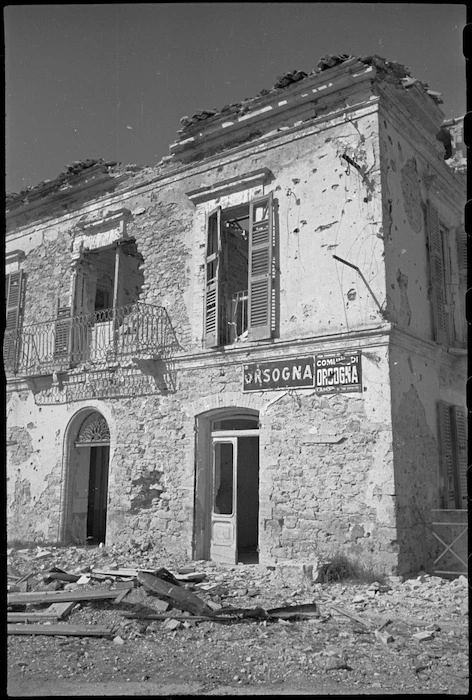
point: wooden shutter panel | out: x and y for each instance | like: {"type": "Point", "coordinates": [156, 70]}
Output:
{"type": "Point", "coordinates": [14, 291]}
{"type": "Point", "coordinates": [461, 241]}
{"type": "Point", "coordinates": [436, 266]}
{"type": "Point", "coordinates": [260, 268]}
{"type": "Point", "coordinates": [14, 299]}
{"type": "Point", "coordinates": [460, 454]}
{"type": "Point", "coordinates": [213, 280]}
{"type": "Point", "coordinates": [447, 457]}
{"type": "Point", "coordinates": [62, 332]}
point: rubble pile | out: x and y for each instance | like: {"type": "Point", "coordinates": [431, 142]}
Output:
{"type": "Point", "coordinates": [241, 624]}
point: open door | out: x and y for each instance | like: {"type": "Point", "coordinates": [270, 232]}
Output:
{"type": "Point", "coordinates": [97, 494]}
{"type": "Point", "coordinates": [224, 544]}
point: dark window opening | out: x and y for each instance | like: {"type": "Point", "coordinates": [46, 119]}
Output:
{"type": "Point", "coordinates": [239, 301]}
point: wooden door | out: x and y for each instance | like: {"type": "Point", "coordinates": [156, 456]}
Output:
{"type": "Point", "coordinates": [224, 540]}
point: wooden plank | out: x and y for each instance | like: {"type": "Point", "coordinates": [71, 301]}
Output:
{"type": "Point", "coordinates": [31, 617]}
{"type": "Point", "coordinates": [190, 578]}
{"type": "Point", "coordinates": [354, 617]}
{"type": "Point", "coordinates": [184, 618]}
{"type": "Point", "coordinates": [124, 592]}
{"type": "Point", "coordinates": [60, 609]}
{"type": "Point", "coordinates": [116, 572]}
{"type": "Point", "coordinates": [304, 611]}
{"type": "Point", "coordinates": [59, 596]}
{"type": "Point", "coordinates": [120, 573]}
{"type": "Point", "coordinates": [61, 629]}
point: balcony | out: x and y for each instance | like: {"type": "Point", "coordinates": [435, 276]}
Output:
{"type": "Point", "coordinates": [104, 338]}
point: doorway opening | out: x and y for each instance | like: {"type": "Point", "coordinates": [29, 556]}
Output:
{"type": "Point", "coordinates": [228, 484]}
{"type": "Point", "coordinates": [87, 501]}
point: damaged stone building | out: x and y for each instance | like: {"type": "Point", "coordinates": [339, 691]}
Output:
{"type": "Point", "coordinates": [255, 350]}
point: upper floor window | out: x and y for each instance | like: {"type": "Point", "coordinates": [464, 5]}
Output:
{"type": "Point", "coordinates": [240, 261]}
{"type": "Point", "coordinates": [445, 281]}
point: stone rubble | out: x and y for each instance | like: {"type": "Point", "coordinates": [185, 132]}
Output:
{"type": "Point", "coordinates": [414, 631]}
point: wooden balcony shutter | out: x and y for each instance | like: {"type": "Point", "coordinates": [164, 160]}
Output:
{"type": "Point", "coordinates": [460, 454]}
{"type": "Point", "coordinates": [436, 266]}
{"type": "Point", "coordinates": [62, 332]}
{"type": "Point", "coordinates": [14, 283]}
{"type": "Point", "coordinates": [261, 243]}
{"type": "Point", "coordinates": [213, 280]}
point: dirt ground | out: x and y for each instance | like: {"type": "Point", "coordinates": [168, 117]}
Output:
{"type": "Point", "coordinates": [329, 654]}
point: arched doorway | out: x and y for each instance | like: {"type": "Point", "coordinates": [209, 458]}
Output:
{"type": "Point", "coordinates": [87, 488]}
{"type": "Point", "coordinates": [227, 487]}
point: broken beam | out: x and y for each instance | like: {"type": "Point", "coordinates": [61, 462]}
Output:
{"type": "Point", "coordinates": [60, 596]}
{"type": "Point", "coordinates": [61, 629]}
{"type": "Point", "coordinates": [177, 596]}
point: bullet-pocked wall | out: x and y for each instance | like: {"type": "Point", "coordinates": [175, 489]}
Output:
{"type": "Point", "coordinates": [325, 461]}
{"type": "Point", "coordinates": [345, 471]}
{"type": "Point", "coordinates": [426, 365]}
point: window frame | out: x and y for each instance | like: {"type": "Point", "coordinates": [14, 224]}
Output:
{"type": "Point", "coordinates": [260, 278]}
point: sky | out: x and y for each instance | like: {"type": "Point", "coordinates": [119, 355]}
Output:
{"type": "Point", "coordinates": [112, 81]}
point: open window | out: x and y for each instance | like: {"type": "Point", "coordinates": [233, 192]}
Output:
{"type": "Point", "coordinates": [240, 273]}
{"type": "Point", "coordinates": [107, 283]}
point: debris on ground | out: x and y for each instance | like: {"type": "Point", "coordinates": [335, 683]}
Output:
{"type": "Point", "coordinates": [136, 615]}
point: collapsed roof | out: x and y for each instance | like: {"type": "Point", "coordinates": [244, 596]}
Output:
{"type": "Point", "coordinates": [98, 170]}
{"type": "Point", "coordinates": [390, 70]}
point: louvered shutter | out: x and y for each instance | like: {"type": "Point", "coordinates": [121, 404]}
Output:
{"type": "Point", "coordinates": [436, 266]}
{"type": "Point", "coordinates": [447, 457]}
{"type": "Point", "coordinates": [461, 241]}
{"type": "Point", "coordinates": [14, 298]}
{"type": "Point", "coordinates": [460, 454]}
{"type": "Point", "coordinates": [62, 332]}
{"type": "Point", "coordinates": [14, 290]}
{"type": "Point", "coordinates": [260, 268]}
{"type": "Point", "coordinates": [213, 280]}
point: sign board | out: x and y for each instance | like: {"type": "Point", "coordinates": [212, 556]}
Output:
{"type": "Point", "coordinates": [338, 372]}
{"type": "Point", "coordinates": [282, 374]}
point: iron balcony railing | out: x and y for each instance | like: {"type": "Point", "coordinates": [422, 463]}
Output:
{"type": "Point", "coordinates": [100, 338]}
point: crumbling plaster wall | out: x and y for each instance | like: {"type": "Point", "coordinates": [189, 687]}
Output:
{"type": "Point", "coordinates": [411, 174]}
{"type": "Point", "coordinates": [162, 221]}
{"type": "Point", "coordinates": [48, 278]}
{"type": "Point", "coordinates": [34, 459]}
{"type": "Point", "coordinates": [415, 392]}
{"type": "Point", "coordinates": [326, 185]}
